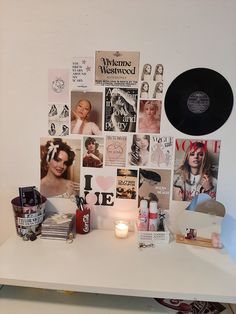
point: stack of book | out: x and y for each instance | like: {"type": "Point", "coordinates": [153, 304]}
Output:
{"type": "Point", "coordinates": [57, 227]}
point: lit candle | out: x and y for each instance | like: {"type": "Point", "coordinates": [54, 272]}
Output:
{"type": "Point", "coordinates": [121, 229]}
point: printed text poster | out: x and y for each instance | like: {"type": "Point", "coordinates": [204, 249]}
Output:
{"type": "Point", "coordinates": [117, 68]}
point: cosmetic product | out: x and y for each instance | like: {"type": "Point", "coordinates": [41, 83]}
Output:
{"type": "Point", "coordinates": [153, 216]}
{"type": "Point", "coordinates": [143, 216]}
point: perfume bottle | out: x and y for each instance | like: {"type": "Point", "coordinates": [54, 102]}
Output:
{"type": "Point", "coordinates": [153, 215]}
{"type": "Point", "coordinates": [143, 216]}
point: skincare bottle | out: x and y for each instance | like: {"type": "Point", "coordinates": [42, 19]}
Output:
{"type": "Point", "coordinates": [153, 216]}
{"type": "Point", "coordinates": [143, 216]}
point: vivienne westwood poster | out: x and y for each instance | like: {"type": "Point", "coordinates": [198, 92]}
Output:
{"type": "Point", "coordinates": [116, 68]}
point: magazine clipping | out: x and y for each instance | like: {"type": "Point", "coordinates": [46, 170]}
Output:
{"type": "Point", "coordinates": [58, 120]}
{"type": "Point", "coordinates": [151, 84]}
{"type": "Point", "coordinates": [60, 167]}
{"type": "Point", "coordinates": [120, 109]}
{"type": "Point", "coordinates": [126, 183]}
{"type": "Point", "coordinates": [161, 151]}
{"type": "Point", "coordinates": [154, 185]}
{"type": "Point", "coordinates": [86, 112]}
{"type": "Point", "coordinates": [115, 150]}
{"type": "Point", "coordinates": [139, 149]}
{"type": "Point", "coordinates": [93, 151]}
{"type": "Point", "coordinates": [195, 168]}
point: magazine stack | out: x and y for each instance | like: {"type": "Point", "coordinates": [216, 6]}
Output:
{"type": "Point", "coordinates": [57, 227]}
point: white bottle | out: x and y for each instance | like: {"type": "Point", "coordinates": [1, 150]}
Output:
{"type": "Point", "coordinates": [143, 216]}
{"type": "Point", "coordinates": [153, 216]}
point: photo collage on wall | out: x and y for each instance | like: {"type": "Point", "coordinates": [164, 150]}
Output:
{"type": "Point", "coordinates": [105, 139]}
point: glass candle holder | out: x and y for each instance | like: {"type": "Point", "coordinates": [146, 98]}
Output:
{"type": "Point", "coordinates": [121, 229]}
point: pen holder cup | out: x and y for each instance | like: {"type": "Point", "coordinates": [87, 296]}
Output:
{"type": "Point", "coordinates": [83, 220]}
{"type": "Point", "coordinates": [28, 218]}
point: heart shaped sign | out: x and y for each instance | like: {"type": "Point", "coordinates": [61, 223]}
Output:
{"type": "Point", "coordinates": [105, 182]}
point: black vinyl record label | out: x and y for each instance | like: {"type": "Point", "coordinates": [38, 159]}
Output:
{"type": "Point", "coordinates": [198, 101]}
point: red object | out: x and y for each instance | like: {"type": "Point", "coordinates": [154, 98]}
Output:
{"type": "Point", "coordinates": [153, 215]}
{"type": "Point", "coordinates": [83, 220]}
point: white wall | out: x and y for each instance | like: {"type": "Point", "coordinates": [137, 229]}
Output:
{"type": "Point", "coordinates": [38, 35]}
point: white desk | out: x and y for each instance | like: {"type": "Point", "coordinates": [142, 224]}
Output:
{"type": "Point", "coordinates": [38, 301]}
{"type": "Point", "coordinates": [100, 263]}
{"type": "Point", "coordinates": [22, 300]}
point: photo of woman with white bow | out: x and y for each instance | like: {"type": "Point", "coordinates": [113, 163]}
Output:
{"type": "Point", "coordinates": [57, 159]}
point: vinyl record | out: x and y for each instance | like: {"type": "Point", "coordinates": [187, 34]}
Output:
{"type": "Point", "coordinates": [198, 101]}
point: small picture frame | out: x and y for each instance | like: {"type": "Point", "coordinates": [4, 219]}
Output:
{"type": "Point", "coordinates": [190, 234]}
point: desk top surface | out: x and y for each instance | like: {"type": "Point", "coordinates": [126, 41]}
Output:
{"type": "Point", "coordinates": [98, 262]}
